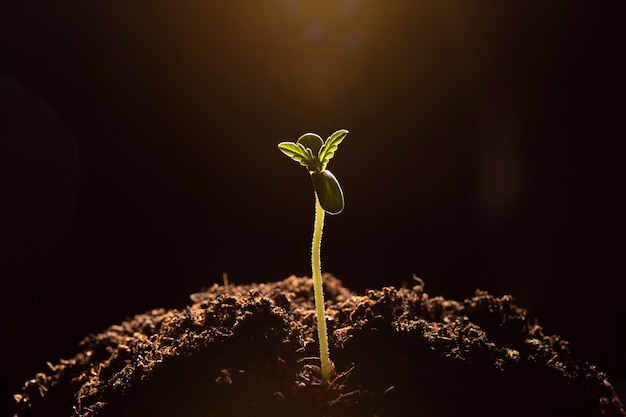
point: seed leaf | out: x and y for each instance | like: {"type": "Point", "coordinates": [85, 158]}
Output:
{"type": "Point", "coordinates": [328, 191]}
{"type": "Point", "coordinates": [312, 141]}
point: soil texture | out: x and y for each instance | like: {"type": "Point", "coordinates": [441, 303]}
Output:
{"type": "Point", "coordinates": [251, 350]}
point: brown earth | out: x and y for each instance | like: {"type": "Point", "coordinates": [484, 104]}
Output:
{"type": "Point", "coordinates": [251, 350]}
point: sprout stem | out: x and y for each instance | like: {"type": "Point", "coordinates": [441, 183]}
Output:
{"type": "Point", "coordinates": [318, 289]}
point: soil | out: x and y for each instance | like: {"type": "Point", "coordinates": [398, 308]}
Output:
{"type": "Point", "coordinates": [251, 350]}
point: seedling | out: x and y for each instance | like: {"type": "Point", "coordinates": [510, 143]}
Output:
{"type": "Point", "coordinates": [313, 153]}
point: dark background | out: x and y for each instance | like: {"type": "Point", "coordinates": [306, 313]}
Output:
{"type": "Point", "coordinates": [139, 162]}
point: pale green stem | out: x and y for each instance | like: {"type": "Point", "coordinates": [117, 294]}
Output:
{"type": "Point", "coordinates": [318, 289]}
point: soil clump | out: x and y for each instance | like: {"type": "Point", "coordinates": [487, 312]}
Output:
{"type": "Point", "coordinates": [252, 350]}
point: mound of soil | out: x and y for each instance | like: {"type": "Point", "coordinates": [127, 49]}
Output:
{"type": "Point", "coordinates": [251, 350]}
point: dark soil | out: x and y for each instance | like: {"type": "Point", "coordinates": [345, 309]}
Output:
{"type": "Point", "coordinates": [251, 350]}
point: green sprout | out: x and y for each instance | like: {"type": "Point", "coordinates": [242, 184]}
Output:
{"type": "Point", "coordinates": [313, 153]}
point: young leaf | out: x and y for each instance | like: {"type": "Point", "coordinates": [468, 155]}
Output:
{"type": "Point", "coordinates": [328, 150]}
{"type": "Point", "coordinates": [297, 152]}
{"type": "Point", "coordinates": [311, 152]}
{"type": "Point", "coordinates": [328, 191]}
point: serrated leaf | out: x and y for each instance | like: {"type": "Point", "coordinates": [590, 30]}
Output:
{"type": "Point", "coordinates": [328, 150]}
{"type": "Point", "coordinates": [297, 152]}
